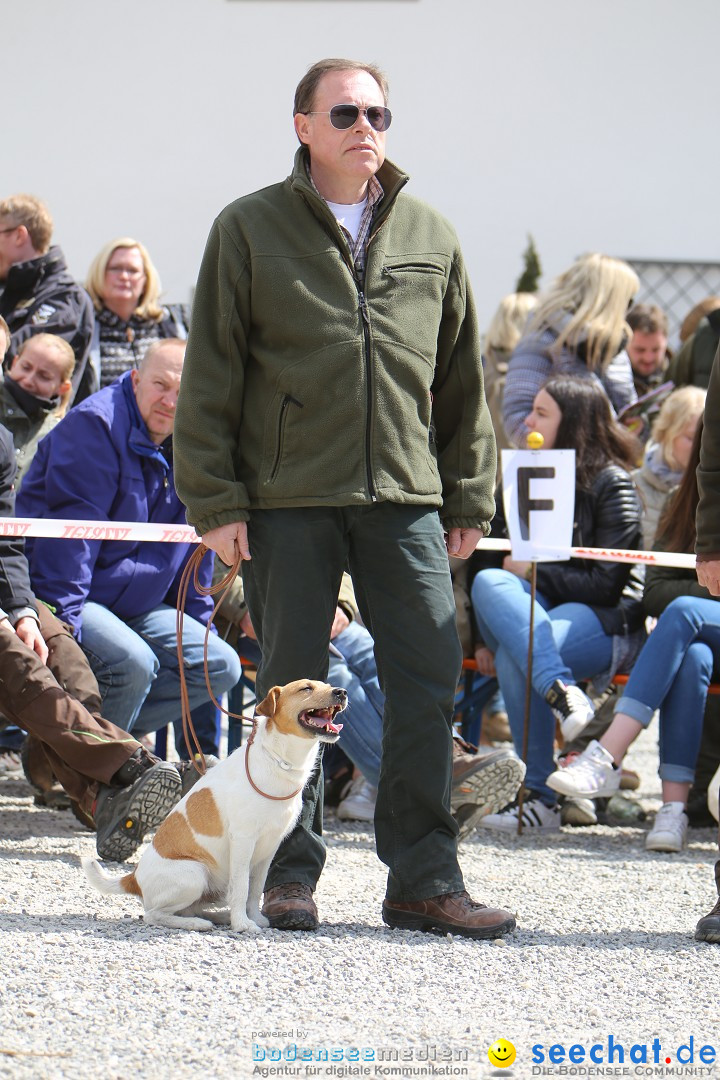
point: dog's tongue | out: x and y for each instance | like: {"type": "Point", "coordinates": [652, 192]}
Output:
{"type": "Point", "coordinates": [322, 718]}
{"type": "Point", "coordinates": [326, 715]}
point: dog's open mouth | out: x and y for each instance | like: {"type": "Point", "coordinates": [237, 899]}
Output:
{"type": "Point", "coordinates": [321, 720]}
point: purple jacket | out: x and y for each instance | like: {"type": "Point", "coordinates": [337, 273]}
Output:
{"type": "Point", "coordinates": [99, 463]}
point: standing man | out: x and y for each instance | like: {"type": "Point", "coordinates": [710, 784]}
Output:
{"type": "Point", "coordinates": [332, 411]}
{"type": "Point", "coordinates": [708, 558]}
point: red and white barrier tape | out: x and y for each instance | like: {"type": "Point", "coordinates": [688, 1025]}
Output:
{"type": "Point", "coordinates": [645, 558]}
{"type": "Point", "coordinates": [67, 529]}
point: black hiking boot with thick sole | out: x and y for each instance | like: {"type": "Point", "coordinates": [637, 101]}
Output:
{"type": "Point", "coordinates": [123, 816]}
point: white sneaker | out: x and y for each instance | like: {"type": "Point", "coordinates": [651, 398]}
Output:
{"type": "Point", "coordinates": [536, 817]}
{"type": "Point", "coordinates": [578, 812]}
{"type": "Point", "coordinates": [571, 707]}
{"type": "Point", "coordinates": [588, 776]}
{"type": "Point", "coordinates": [669, 832]}
{"type": "Point", "coordinates": [358, 804]}
{"type": "Point", "coordinates": [713, 795]}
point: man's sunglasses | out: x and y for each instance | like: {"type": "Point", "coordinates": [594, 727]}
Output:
{"type": "Point", "coordinates": [343, 117]}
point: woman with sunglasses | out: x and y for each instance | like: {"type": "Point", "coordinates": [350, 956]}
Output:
{"type": "Point", "coordinates": [124, 287]}
{"type": "Point", "coordinates": [578, 328]}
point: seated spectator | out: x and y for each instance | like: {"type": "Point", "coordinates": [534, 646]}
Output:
{"type": "Point", "coordinates": [47, 688]}
{"type": "Point", "coordinates": [39, 296]}
{"type": "Point", "coordinates": [648, 346]}
{"type": "Point", "coordinates": [667, 454]}
{"type": "Point", "coordinates": [579, 328]}
{"type": "Point", "coordinates": [503, 333]}
{"type": "Point", "coordinates": [34, 391]}
{"type": "Point", "coordinates": [110, 459]}
{"type": "Point", "coordinates": [125, 288]}
{"type": "Point", "coordinates": [671, 674]}
{"type": "Point", "coordinates": [482, 779]}
{"type": "Point", "coordinates": [588, 614]}
{"type": "Point", "coordinates": [692, 364]}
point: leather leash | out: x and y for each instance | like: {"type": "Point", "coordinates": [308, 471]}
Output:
{"type": "Point", "coordinates": [192, 568]}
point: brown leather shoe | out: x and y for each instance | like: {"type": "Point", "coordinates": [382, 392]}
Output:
{"type": "Point", "coordinates": [454, 913]}
{"type": "Point", "coordinates": [290, 907]}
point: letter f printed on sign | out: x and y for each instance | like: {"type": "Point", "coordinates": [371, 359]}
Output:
{"type": "Point", "coordinates": [525, 504]}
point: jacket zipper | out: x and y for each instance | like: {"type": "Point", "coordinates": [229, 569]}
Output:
{"type": "Point", "coordinates": [286, 402]}
{"type": "Point", "coordinates": [365, 323]}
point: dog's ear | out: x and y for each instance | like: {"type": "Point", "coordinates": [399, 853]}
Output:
{"type": "Point", "coordinates": [269, 705]}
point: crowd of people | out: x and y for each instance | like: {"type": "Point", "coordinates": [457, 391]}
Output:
{"type": "Point", "coordinates": [113, 409]}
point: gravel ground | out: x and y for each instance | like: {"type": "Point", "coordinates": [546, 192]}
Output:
{"type": "Point", "coordinates": [604, 948]}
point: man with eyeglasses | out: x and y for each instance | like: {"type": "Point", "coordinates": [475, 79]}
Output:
{"type": "Point", "coordinates": [37, 293]}
{"type": "Point", "coordinates": [331, 412]}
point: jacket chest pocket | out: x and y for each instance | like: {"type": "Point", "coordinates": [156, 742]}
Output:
{"type": "Point", "coordinates": [402, 270]}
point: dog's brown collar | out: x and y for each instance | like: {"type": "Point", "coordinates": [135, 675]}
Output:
{"type": "Point", "coordinates": [275, 798]}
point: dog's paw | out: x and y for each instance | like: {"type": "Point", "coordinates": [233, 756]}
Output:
{"type": "Point", "coordinates": [244, 926]}
{"type": "Point", "coordinates": [259, 919]}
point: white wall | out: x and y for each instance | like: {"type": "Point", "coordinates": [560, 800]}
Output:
{"type": "Point", "coordinates": [592, 125]}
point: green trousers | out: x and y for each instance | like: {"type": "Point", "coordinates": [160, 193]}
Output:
{"type": "Point", "coordinates": [399, 565]}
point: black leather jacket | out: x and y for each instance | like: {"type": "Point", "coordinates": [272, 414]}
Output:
{"type": "Point", "coordinates": [606, 516]}
{"type": "Point", "coordinates": [40, 296]}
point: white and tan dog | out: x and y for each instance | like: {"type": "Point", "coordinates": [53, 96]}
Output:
{"type": "Point", "coordinates": [217, 844]}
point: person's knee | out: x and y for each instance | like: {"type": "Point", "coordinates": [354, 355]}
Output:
{"type": "Point", "coordinates": [224, 665]}
{"type": "Point", "coordinates": [697, 664]}
{"type": "Point", "coordinates": [484, 588]}
{"type": "Point", "coordinates": [680, 609]}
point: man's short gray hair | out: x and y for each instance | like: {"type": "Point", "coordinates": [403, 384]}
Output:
{"type": "Point", "coordinates": [155, 348]}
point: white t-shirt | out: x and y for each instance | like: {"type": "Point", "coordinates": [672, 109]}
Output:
{"type": "Point", "coordinates": [349, 215]}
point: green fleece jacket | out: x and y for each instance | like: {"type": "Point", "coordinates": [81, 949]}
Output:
{"type": "Point", "coordinates": [303, 386]}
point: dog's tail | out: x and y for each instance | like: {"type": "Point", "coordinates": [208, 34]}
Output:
{"type": "Point", "coordinates": [106, 884]}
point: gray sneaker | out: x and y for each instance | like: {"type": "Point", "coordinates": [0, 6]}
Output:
{"type": "Point", "coordinates": [485, 779]}
{"type": "Point", "coordinates": [190, 774]}
{"type": "Point", "coordinates": [124, 815]}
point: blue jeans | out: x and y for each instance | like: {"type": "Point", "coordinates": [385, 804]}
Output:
{"type": "Point", "coordinates": [136, 666]}
{"type": "Point", "coordinates": [569, 644]}
{"type": "Point", "coordinates": [356, 672]}
{"type": "Point", "coordinates": [672, 674]}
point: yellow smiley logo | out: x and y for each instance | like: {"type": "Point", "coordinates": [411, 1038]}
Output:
{"type": "Point", "coordinates": [501, 1053]}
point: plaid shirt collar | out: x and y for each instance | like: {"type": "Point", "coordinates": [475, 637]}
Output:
{"type": "Point", "coordinates": [358, 248]}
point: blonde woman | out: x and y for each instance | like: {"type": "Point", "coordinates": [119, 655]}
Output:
{"type": "Point", "coordinates": [124, 287]}
{"type": "Point", "coordinates": [503, 334]}
{"type": "Point", "coordinates": [667, 454]}
{"type": "Point", "coordinates": [34, 391]}
{"type": "Point", "coordinates": [579, 327]}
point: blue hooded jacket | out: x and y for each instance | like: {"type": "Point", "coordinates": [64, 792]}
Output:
{"type": "Point", "coordinates": [99, 463]}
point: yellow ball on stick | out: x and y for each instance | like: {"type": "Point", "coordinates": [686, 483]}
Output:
{"type": "Point", "coordinates": [535, 440]}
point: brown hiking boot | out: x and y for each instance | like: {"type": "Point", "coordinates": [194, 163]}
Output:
{"type": "Point", "coordinates": [708, 929]}
{"type": "Point", "coordinates": [453, 913]}
{"type": "Point", "coordinates": [290, 907]}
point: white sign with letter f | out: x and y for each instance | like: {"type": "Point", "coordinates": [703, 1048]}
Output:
{"type": "Point", "coordinates": [539, 503]}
